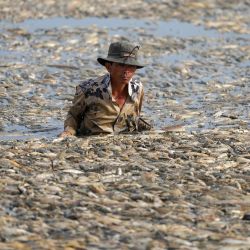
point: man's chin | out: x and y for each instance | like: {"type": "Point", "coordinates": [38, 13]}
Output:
{"type": "Point", "coordinates": [125, 80]}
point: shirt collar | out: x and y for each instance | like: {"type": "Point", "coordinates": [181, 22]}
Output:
{"type": "Point", "coordinates": [133, 86]}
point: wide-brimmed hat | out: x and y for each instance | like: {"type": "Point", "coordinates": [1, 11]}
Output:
{"type": "Point", "coordinates": [122, 52]}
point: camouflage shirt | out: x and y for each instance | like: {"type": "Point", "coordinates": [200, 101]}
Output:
{"type": "Point", "coordinates": [95, 111]}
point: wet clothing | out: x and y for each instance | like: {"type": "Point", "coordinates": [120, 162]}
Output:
{"type": "Point", "coordinates": [94, 110]}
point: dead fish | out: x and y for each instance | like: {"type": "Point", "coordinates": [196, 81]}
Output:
{"type": "Point", "coordinates": [174, 128]}
{"type": "Point", "coordinates": [60, 66]}
{"type": "Point", "coordinates": [72, 171]}
{"type": "Point", "coordinates": [97, 188]}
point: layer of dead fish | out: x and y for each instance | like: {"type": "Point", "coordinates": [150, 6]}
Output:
{"type": "Point", "coordinates": [147, 191]}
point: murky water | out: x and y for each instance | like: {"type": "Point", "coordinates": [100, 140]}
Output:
{"type": "Point", "coordinates": [54, 48]}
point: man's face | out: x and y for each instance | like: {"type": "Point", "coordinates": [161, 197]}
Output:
{"type": "Point", "coordinates": [120, 72]}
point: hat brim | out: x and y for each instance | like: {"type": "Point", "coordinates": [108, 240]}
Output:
{"type": "Point", "coordinates": [126, 61]}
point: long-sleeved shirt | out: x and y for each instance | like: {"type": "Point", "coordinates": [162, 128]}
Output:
{"type": "Point", "coordinates": [94, 110]}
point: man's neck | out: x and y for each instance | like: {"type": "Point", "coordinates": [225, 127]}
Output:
{"type": "Point", "coordinates": [119, 89]}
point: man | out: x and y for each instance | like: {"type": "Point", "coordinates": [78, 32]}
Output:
{"type": "Point", "coordinates": [110, 103]}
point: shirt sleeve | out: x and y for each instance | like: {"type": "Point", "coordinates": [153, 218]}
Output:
{"type": "Point", "coordinates": [76, 112]}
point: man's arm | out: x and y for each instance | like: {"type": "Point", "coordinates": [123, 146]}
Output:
{"type": "Point", "coordinates": [141, 100]}
{"type": "Point", "coordinates": [142, 124]}
{"type": "Point", "coordinates": [75, 114]}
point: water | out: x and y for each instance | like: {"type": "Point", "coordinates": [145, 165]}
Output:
{"type": "Point", "coordinates": [21, 132]}
{"type": "Point", "coordinates": [172, 27]}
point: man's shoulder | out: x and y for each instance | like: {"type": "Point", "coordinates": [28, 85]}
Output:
{"type": "Point", "coordinates": [136, 82]}
{"type": "Point", "coordinates": [94, 86]}
{"type": "Point", "coordinates": [93, 83]}
{"type": "Point", "coordinates": [135, 87]}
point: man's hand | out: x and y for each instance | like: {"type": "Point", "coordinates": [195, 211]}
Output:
{"type": "Point", "coordinates": [65, 134]}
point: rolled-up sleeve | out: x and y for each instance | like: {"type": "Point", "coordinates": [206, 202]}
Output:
{"type": "Point", "coordinates": [76, 112]}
